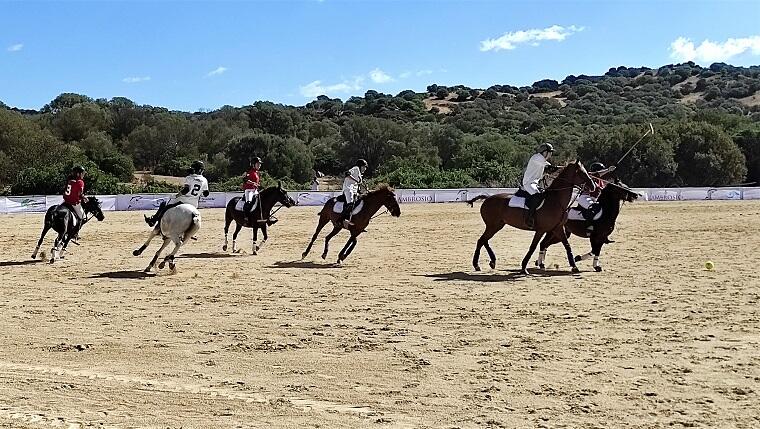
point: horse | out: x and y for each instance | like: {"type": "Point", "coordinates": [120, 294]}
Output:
{"type": "Point", "coordinates": [496, 213]}
{"type": "Point", "coordinates": [598, 231]}
{"type": "Point", "coordinates": [364, 212]}
{"type": "Point", "coordinates": [262, 213]}
{"type": "Point", "coordinates": [61, 219]}
{"type": "Point", "coordinates": [177, 225]}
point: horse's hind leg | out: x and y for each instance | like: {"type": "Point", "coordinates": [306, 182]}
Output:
{"type": "Point", "coordinates": [238, 227]}
{"type": "Point", "coordinates": [227, 222]}
{"type": "Point", "coordinates": [56, 247]}
{"type": "Point", "coordinates": [336, 230]}
{"type": "Point", "coordinates": [45, 230]}
{"type": "Point", "coordinates": [170, 257]}
{"type": "Point", "coordinates": [323, 220]}
{"type": "Point", "coordinates": [155, 257]}
{"type": "Point", "coordinates": [490, 231]}
{"type": "Point", "coordinates": [153, 233]}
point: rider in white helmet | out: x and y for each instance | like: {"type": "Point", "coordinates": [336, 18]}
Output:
{"type": "Point", "coordinates": [351, 188]}
{"type": "Point", "coordinates": [195, 186]}
{"type": "Point", "coordinates": [534, 172]}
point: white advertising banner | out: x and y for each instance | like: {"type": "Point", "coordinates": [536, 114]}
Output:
{"type": "Point", "coordinates": [311, 198]}
{"type": "Point", "coordinates": [214, 200]}
{"type": "Point", "coordinates": [415, 196]}
{"type": "Point", "coordinates": [751, 194]}
{"type": "Point", "coordinates": [26, 204]}
{"type": "Point", "coordinates": [141, 201]}
{"type": "Point", "coordinates": [3, 207]}
{"type": "Point", "coordinates": [724, 194]}
{"type": "Point", "coordinates": [450, 195]}
{"type": "Point", "coordinates": [664, 194]}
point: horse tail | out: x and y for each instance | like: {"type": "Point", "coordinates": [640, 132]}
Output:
{"type": "Point", "coordinates": [479, 197]}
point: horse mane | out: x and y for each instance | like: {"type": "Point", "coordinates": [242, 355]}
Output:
{"type": "Point", "coordinates": [383, 187]}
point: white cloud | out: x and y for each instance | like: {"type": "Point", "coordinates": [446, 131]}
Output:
{"type": "Point", "coordinates": [15, 48]}
{"type": "Point", "coordinates": [533, 36]}
{"type": "Point", "coordinates": [683, 49]}
{"type": "Point", "coordinates": [217, 71]}
{"type": "Point", "coordinates": [379, 76]}
{"type": "Point", "coordinates": [317, 88]}
{"type": "Point", "coordinates": [136, 79]}
{"type": "Point", "coordinates": [408, 74]}
{"type": "Point", "coordinates": [424, 72]}
{"type": "Point", "coordinates": [405, 75]}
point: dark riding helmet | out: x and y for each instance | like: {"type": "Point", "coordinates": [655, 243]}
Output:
{"type": "Point", "coordinates": [255, 160]}
{"type": "Point", "coordinates": [77, 169]}
{"type": "Point", "coordinates": [197, 166]}
{"type": "Point", "coordinates": [361, 163]}
{"type": "Point", "coordinates": [546, 147]}
{"type": "Point", "coordinates": [595, 167]}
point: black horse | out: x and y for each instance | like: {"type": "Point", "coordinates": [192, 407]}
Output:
{"type": "Point", "coordinates": [61, 219]}
{"type": "Point", "coordinates": [598, 231]}
{"type": "Point", "coordinates": [262, 215]}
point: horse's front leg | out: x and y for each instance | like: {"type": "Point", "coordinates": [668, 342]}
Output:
{"type": "Point", "coordinates": [596, 249]}
{"type": "Point", "coordinates": [569, 252]}
{"type": "Point", "coordinates": [56, 247]}
{"type": "Point", "coordinates": [264, 237]}
{"type": "Point", "coordinates": [347, 249]}
{"type": "Point", "coordinates": [536, 237]}
{"type": "Point", "coordinates": [255, 238]}
{"type": "Point", "coordinates": [153, 233]}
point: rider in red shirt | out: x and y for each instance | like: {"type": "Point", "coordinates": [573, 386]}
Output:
{"type": "Point", "coordinates": [73, 196]}
{"type": "Point", "coordinates": [251, 184]}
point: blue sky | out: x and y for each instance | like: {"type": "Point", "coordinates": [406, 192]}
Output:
{"type": "Point", "coordinates": [193, 55]}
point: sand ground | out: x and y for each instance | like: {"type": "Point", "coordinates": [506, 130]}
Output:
{"type": "Point", "coordinates": [403, 334]}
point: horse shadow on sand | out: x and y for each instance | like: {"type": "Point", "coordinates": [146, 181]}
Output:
{"type": "Point", "coordinates": [499, 276]}
{"type": "Point", "coordinates": [207, 255]}
{"type": "Point", "coordinates": [302, 264]}
{"type": "Point", "coordinates": [123, 275]}
{"type": "Point", "coordinates": [19, 263]}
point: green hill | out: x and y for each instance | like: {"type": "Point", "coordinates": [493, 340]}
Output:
{"type": "Point", "coordinates": [707, 122]}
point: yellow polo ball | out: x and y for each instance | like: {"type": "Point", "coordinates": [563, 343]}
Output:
{"type": "Point", "coordinates": [709, 265]}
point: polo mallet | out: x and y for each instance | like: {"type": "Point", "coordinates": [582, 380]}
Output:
{"type": "Point", "coordinates": [650, 130]}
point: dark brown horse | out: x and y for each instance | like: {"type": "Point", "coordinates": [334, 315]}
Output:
{"type": "Point", "coordinates": [598, 231]}
{"type": "Point", "coordinates": [552, 214]}
{"type": "Point", "coordinates": [373, 201]}
{"type": "Point", "coordinates": [261, 216]}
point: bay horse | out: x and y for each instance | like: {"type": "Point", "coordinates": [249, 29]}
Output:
{"type": "Point", "coordinates": [598, 231]}
{"type": "Point", "coordinates": [61, 220]}
{"type": "Point", "coordinates": [177, 225]}
{"type": "Point", "coordinates": [261, 216]}
{"type": "Point", "coordinates": [383, 196]}
{"type": "Point", "coordinates": [552, 214]}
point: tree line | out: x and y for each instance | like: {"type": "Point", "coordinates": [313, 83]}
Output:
{"type": "Point", "coordinates": [707, 122]}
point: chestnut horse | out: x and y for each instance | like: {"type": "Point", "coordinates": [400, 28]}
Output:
{"type": "Point", "coordinates": [552, 214]}
{"type": "Point", "coordinates": [373, 201]}
{"type": "Point", "coordinates": [598, 231]}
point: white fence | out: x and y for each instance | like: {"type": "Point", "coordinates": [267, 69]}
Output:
{"type": "Point", "coordinates": [40, 203]}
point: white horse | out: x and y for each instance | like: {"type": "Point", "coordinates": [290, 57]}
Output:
{"type": "Point", "coordinates": [178, 224]}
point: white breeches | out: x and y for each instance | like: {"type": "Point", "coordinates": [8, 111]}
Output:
{"type": "Point", "coordinates": [79, 211]}
{"type": "Point", "coordinates": [586, 200]}
{"type": "Point", "coordinates": [250, 194]}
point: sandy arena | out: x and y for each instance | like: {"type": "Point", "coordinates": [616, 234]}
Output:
{"type": "Point", "coordinates": [404, 334]}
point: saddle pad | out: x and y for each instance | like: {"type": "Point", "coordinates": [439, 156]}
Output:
{"type": "Point", "coordinates": [517, 202]}
{"type": "Point", "coordinates": [241, 204]}
{"type": "Point", "coordinates": [575, 213]}
{"type": "Point", "coordinates": [338, 207]}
